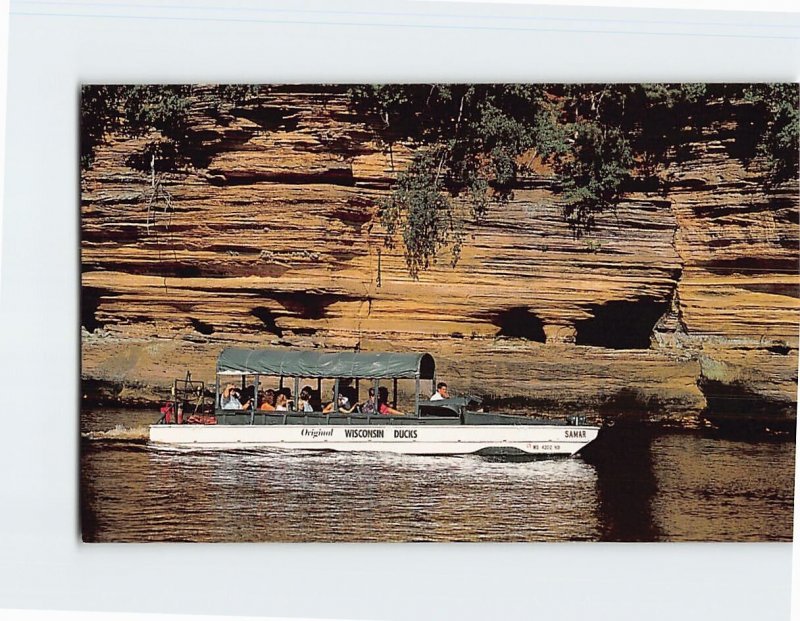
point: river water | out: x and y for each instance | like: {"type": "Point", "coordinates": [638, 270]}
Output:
{"type": "Point", "coordinates": [634, 483]}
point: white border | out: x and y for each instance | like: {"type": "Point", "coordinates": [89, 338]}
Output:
{"type": "Point", "coordinates": [41, 561]}
{"type": "Point", "coordinates": [772, 6]}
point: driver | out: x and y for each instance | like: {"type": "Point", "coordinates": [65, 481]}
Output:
{"type": "Point", "coordinates": [441, 392]}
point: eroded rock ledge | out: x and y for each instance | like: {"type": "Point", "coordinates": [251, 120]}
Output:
{"type": "Point", "coordinates": [680, 299]}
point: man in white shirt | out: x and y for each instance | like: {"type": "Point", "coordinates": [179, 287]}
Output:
{"type": "Point", "coordinates": [441, 392]}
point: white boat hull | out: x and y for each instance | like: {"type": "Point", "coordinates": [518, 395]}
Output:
{"type": "Point", "coordinates": [404, 439]}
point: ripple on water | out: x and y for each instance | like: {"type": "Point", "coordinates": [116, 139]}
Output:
{"type": "Point", "coordinates": [667, 486]}
{"type": "Point", "coordinates": [272, 495]}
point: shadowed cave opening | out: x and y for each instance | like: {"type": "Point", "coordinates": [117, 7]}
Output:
{"type": "Point", "coordinates": [333, 176]}
{"type": "Point", "coordinates": [780, 348]}
{"type": "Point", "coordinates": [201, 326]}
{"type": "Point", "coordinates": [750, 265]}
{"type": "Point", "coordinates": [621, 324]}
{"type": "Point", "coordinates": [270, 118]}
{"type": "Point", "coordinates": [737, 407]}
{"type": "Point", "coordinates": [90, 303]}
{"type": "Point", "coordinates": [519, 322]}
{"type": "Point", "coordinates": [267, 317]}
{"type": "Point", "coordinates": [308, 305]}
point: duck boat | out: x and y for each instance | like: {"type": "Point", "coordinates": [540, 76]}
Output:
{"type": "Point", "coordinates": [447, 426]}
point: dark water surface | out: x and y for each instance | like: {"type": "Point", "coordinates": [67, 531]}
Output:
{"type": "Point", "coordinates": [632, 484]}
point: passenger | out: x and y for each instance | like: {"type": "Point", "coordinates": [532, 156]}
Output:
{"type": "Point", "coordinates": [350, 392]}
{"type": "Point", "coordinates": [286, 392]}
{"type": "Point", "coordinates": [230, 399]}
{"type": "Point", "coordinates": [304, 404]}
{"type": "Point", "coordinates": [441, 392]}
{"type": "Point", "coordinates": [249, 393]}
{"type": "Point", "coordinates": [313, 398]}
{"type": "Point", "coordinates": [383, 403]}
{"type": "Point", "coordinates": [328, 408]}
{"type": "Point", "coordinates": [282, 403]}
{"type": "Point", "coordinates": [369, 406]}
{"type": "Point", "coordinates": [268, 401]}
{"type": "Point", "coordinates": [168, 412]}
{"type": "Point", "coordinates": [344, 405]}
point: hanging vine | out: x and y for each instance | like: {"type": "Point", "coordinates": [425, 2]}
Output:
{"type": "Point", "coordinates": [159, 204]}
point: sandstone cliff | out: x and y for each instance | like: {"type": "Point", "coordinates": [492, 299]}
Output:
{"type": "Point", "coordinates": [677, 301]}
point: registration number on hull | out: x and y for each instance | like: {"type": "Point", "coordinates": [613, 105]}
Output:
{"type": "Point", "coordinates": [543, 448]}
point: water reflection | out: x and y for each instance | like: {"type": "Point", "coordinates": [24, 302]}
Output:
{"type": "Point", "coordinates": [278, 496]}
{"type": "Point", "coordinates": [723, 490]}
{"type": "Point", "coordinates": [626, 483]}
{"type": "Point", "coordinates": [634, 484]}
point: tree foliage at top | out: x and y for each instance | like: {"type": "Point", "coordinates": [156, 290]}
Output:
{"type": "Point", "coordinates": [136, 110]}
{"type": "Point", "coordinates": [777, 122]}
{"type": "Point", "coordinates": [474, 142]}
{"type": "Point", "coordinates": [473, 137]}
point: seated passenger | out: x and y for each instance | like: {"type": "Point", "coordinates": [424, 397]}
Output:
{"type": "Point", "coordinates": [282, 403]}
{"type": "Point", "coordinates": [268, 401]}
{"type": "Point", "coordinates": [344, 405]}
{"type": "Point", "coordinates": [441, 392]}
{"type": "Point", "coordinates": [286, 392]}
{"type": "Point", "coordinates": [229, 400]}
{"type": "Point", "coordinates": [370, 407]}
{"type": "Point", "coordinates": [304, 404]}
{"type": "Point", "coordinates": [383, 403]}
{"type": "Point", "coordinates": [351, 394]}
{"type": "Point", "coordinates": [306, 400]}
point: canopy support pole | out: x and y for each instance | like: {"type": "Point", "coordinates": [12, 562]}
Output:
{"type": "Point", "coordinates": [336, 395]}
{"type": "Point", "coordinates": [217, 404]}
{"type": "Point", "coordinates": [394, 393]}
{"type": "Point", "coordinates": [175, 401]}
{"type": "Point", "coordinates": [254, 405]}
{"type": "Point", "coordinates": [296, 396]}
{"type": "Point", "coordinates": [375, 386]}
{"type": "Point", "coordinates": [416, 399]}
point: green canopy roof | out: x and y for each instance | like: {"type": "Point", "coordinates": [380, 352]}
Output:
{"type": "Point", "coordinates": [300, 363]}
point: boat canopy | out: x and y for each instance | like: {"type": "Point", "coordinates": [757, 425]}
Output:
{"type": "Point", "coordinates": [308, 364]}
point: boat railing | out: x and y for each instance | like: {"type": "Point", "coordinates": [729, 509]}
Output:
{"type": "Point", "coordinates": [260, 417]}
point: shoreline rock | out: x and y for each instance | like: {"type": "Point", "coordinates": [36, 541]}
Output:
{"type": "Point", "coordinates": [278, 242]}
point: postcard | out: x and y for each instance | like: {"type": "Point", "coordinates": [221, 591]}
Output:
{"type": "Point", "coordinates": [439, 312]}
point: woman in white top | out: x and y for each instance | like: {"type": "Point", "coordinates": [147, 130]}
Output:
{"type": "Point", "coordinates": [304, 404]}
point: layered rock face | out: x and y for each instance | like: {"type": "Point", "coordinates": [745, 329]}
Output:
{"type": "Point", "coordinates": [676, 302]}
